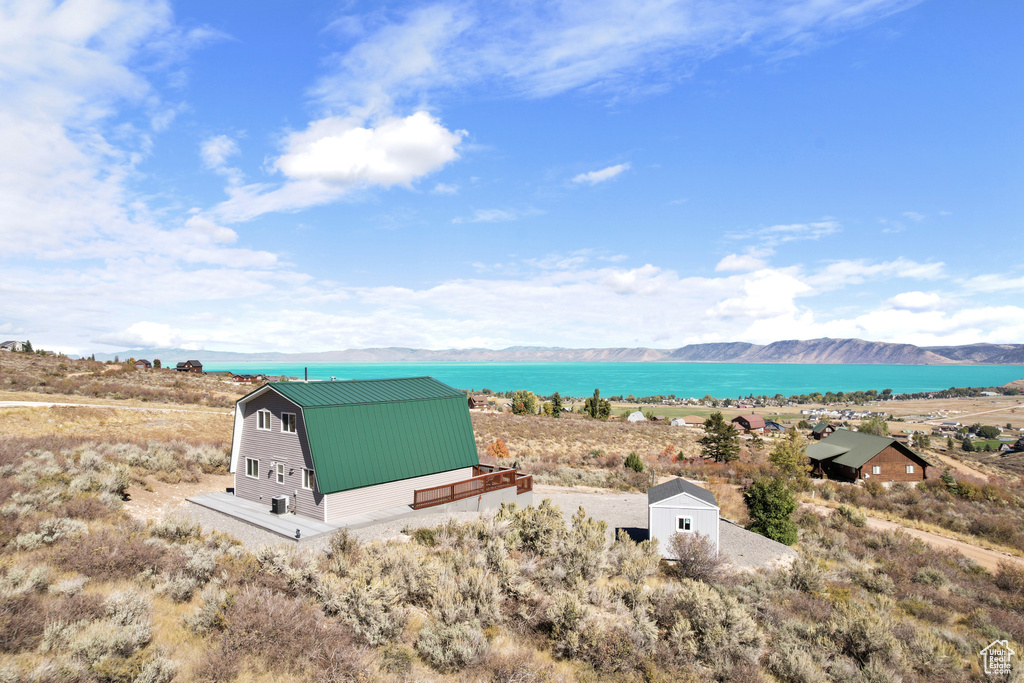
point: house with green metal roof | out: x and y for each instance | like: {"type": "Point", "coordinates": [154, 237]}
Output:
{"type": "Point", "coordinates": [331, 450]}
{"type": "Point", "coordinates": [850, 456]}
{"type": "Point", "coordinates": [822, 430]}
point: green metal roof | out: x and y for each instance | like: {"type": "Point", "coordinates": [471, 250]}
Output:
{"type": "Point", "coordinates": [854, 449]}
{"type": "Point", "coordinates": [819, 450]}
{"type": "Point", "coordinates": [362, 433]}
{"type": "Point", "coordinates": [819, 428]}
{"type": "Point", "coordinates": [351, 392]}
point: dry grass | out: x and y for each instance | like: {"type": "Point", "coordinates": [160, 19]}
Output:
{"type": "Point", "coordinates": [22, 373]}
{"type": "Point", "coordinates": [113, 425]}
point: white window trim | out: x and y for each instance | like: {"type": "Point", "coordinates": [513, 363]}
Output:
{"type": "Point", "coordinates": [285, 423]}
{"type": "Point", "coordinates": [263, 416]}
{"type": "Point", "coordinates": [876, 469]}
{"type": "Point", "coordinates": [308, 479]}
{"type": "Point", "coordinates": [684, 531]}
{"type": "Point", "coordinates": [280, 473]}
{"type": "Point", "coordinates": [257, 464]}
{"type": "Point", "coordinates": [910, 469]}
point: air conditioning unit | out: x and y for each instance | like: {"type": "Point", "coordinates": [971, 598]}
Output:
{"type": "Point", "coordinates": [279, 505]}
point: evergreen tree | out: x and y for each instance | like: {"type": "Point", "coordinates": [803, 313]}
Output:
{"type": "Point", "coordinates": [771, 506]}
{"type": "Point", "coordinates": [968, 445]}
{"type": "Point", "coordinates": [597, 407]}
{"type": "Point", "coordinates": [556, 405]}
{"type": "Point", "coordinates": [593, 403]}
{"type": "Point", "coordinates": [634, 463]}
{"type": "Point", "coordinates": [28, 346]}
{"type": "Point", "coordinates": [721, 441]}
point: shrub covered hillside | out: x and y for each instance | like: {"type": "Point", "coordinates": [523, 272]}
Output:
{"type": "Point", "coordinates": [53, 375]}
{"type": "Point", "coordinates": [86, 594]}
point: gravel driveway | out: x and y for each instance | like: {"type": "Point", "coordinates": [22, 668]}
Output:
{"type": "Point", "coordinates": [742, 549]}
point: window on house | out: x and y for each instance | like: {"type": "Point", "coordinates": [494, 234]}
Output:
{"type": "Point", "coordinates": [684, 523]}
{"type": "Point", "coordinates": [263, 419]}
{"type": "Point", "coordinates": [280, 473]}
{"type": "Point", "coordinates": [910, 469]}
{"type": "Point", "coordinates": [876, 469]}
{"type": "Point", "coordinates": [308, 480]}
{"type": "Point", "coordinates": [288, 422]}
{"type": "Point", "coordinates": [252, 468]}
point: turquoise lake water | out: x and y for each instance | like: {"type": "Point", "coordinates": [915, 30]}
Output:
{"type": "Point", "coordinates": [722, 380]}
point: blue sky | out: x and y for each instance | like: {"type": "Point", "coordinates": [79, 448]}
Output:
{"type": "Point", "coordinates": [327, 175]}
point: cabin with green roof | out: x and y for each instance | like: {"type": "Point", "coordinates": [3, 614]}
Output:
{"type": "Point", "coordinates": [850, 456]}
{"type": "Point", "coordinates": [338, 449]}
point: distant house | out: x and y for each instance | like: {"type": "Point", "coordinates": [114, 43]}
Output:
{"type": "Point", "coordinates": [693, 421]}
{"type": "Point", "coordinates": [12, 346]}
{"type": "Point", "coordinates": [331, 450]}
{"type": "Point", "coordinates": [822, 430]}
{"type": "Point", "coordinates": [773, 426]}
{"type": "Point", "coordinates": [190, 366]}
{"type": "Point", "coordinates": [749, 424]}
{"type": "Point", "coordinates": [851, 456]}
{"type": "Point", "coordinates": [143, 364]}
{"type": "Point", "coordinates": [478, 402]}
{"type": "Point", "coordinates": [636, 416]}
{"type": "Point", "coordinates": [245, 378]}
{"type": "Point", "coordinates": [677, 422]}
{"type": "Point", "coordinates": [679, 506]}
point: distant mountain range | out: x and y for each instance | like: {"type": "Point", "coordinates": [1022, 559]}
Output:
{"type": "Point", "coordinates": [838, 351]}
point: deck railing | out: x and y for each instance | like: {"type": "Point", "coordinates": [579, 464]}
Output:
{"type": "Point", "coordinates": [486, 478]}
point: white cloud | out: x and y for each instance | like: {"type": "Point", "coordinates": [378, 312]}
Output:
{"type": "Point", "coordinates": [916, 301]}
{"type": "Point", "coordinates": [914, 216]}
{"type": "Point", "coordinates": [995, 283]}
{"type": "Point", "coordinates": [342, 152]}
{"type": "Point", "coordinates": [208, 231]}
{"type": "Point", "coordinates": [217, 150]}
{"type": "Point", "coordinates": [335, 156]}
{"type": "Point", "coordinates": [542, 49]}
{"type": "Point", "coordinates": [445, 189]}
{"type": "Point", "coordinates": [800, 231]}
{"type": "Point", "coordinates": [752, 260]}
{"type": "Point", "coordinates": [145, 334]}
{"type": "Point", "coordinates": [488, 216]}
{"type": "Point", "coordinates": [595, 177]}
{"type": "Point", "coordinates": [839, 274]}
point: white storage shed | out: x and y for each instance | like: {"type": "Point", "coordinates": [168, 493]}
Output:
{"type": "Point", "coordinates": [683, 507]}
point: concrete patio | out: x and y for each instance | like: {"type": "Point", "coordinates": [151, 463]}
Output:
{"type": "Point", "coordinates": [292, 526]}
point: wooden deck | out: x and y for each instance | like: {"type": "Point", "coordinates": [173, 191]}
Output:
{"type": "Point", "coordinates": [486, 478]}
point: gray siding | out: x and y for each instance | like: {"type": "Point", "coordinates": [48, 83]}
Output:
{"type": "Point", "coordinates": [277, 446]}
{"type": "Point", "coordinates": [662, 520]}
{"type": "Point", "coordinates": [382, 496]}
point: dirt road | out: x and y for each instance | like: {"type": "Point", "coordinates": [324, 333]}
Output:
{"type": "Point", "coordinates": [989, 559]}
{"type": "Point", "coordinates": [958, 466]}
{"type": "Point", "coordinates": [50, 404]}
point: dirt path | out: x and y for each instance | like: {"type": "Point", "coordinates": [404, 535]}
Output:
{"type": "Point", "coordinates": [957, 465]}
{"type": "Point", "coordinates": [980, 412]}
{"type": "Point", "coordinates": [989, 559]}
{"type": "Point", "coordinates": [50, 404]}
{"type": "Point", "coordinates": [153, 505]}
